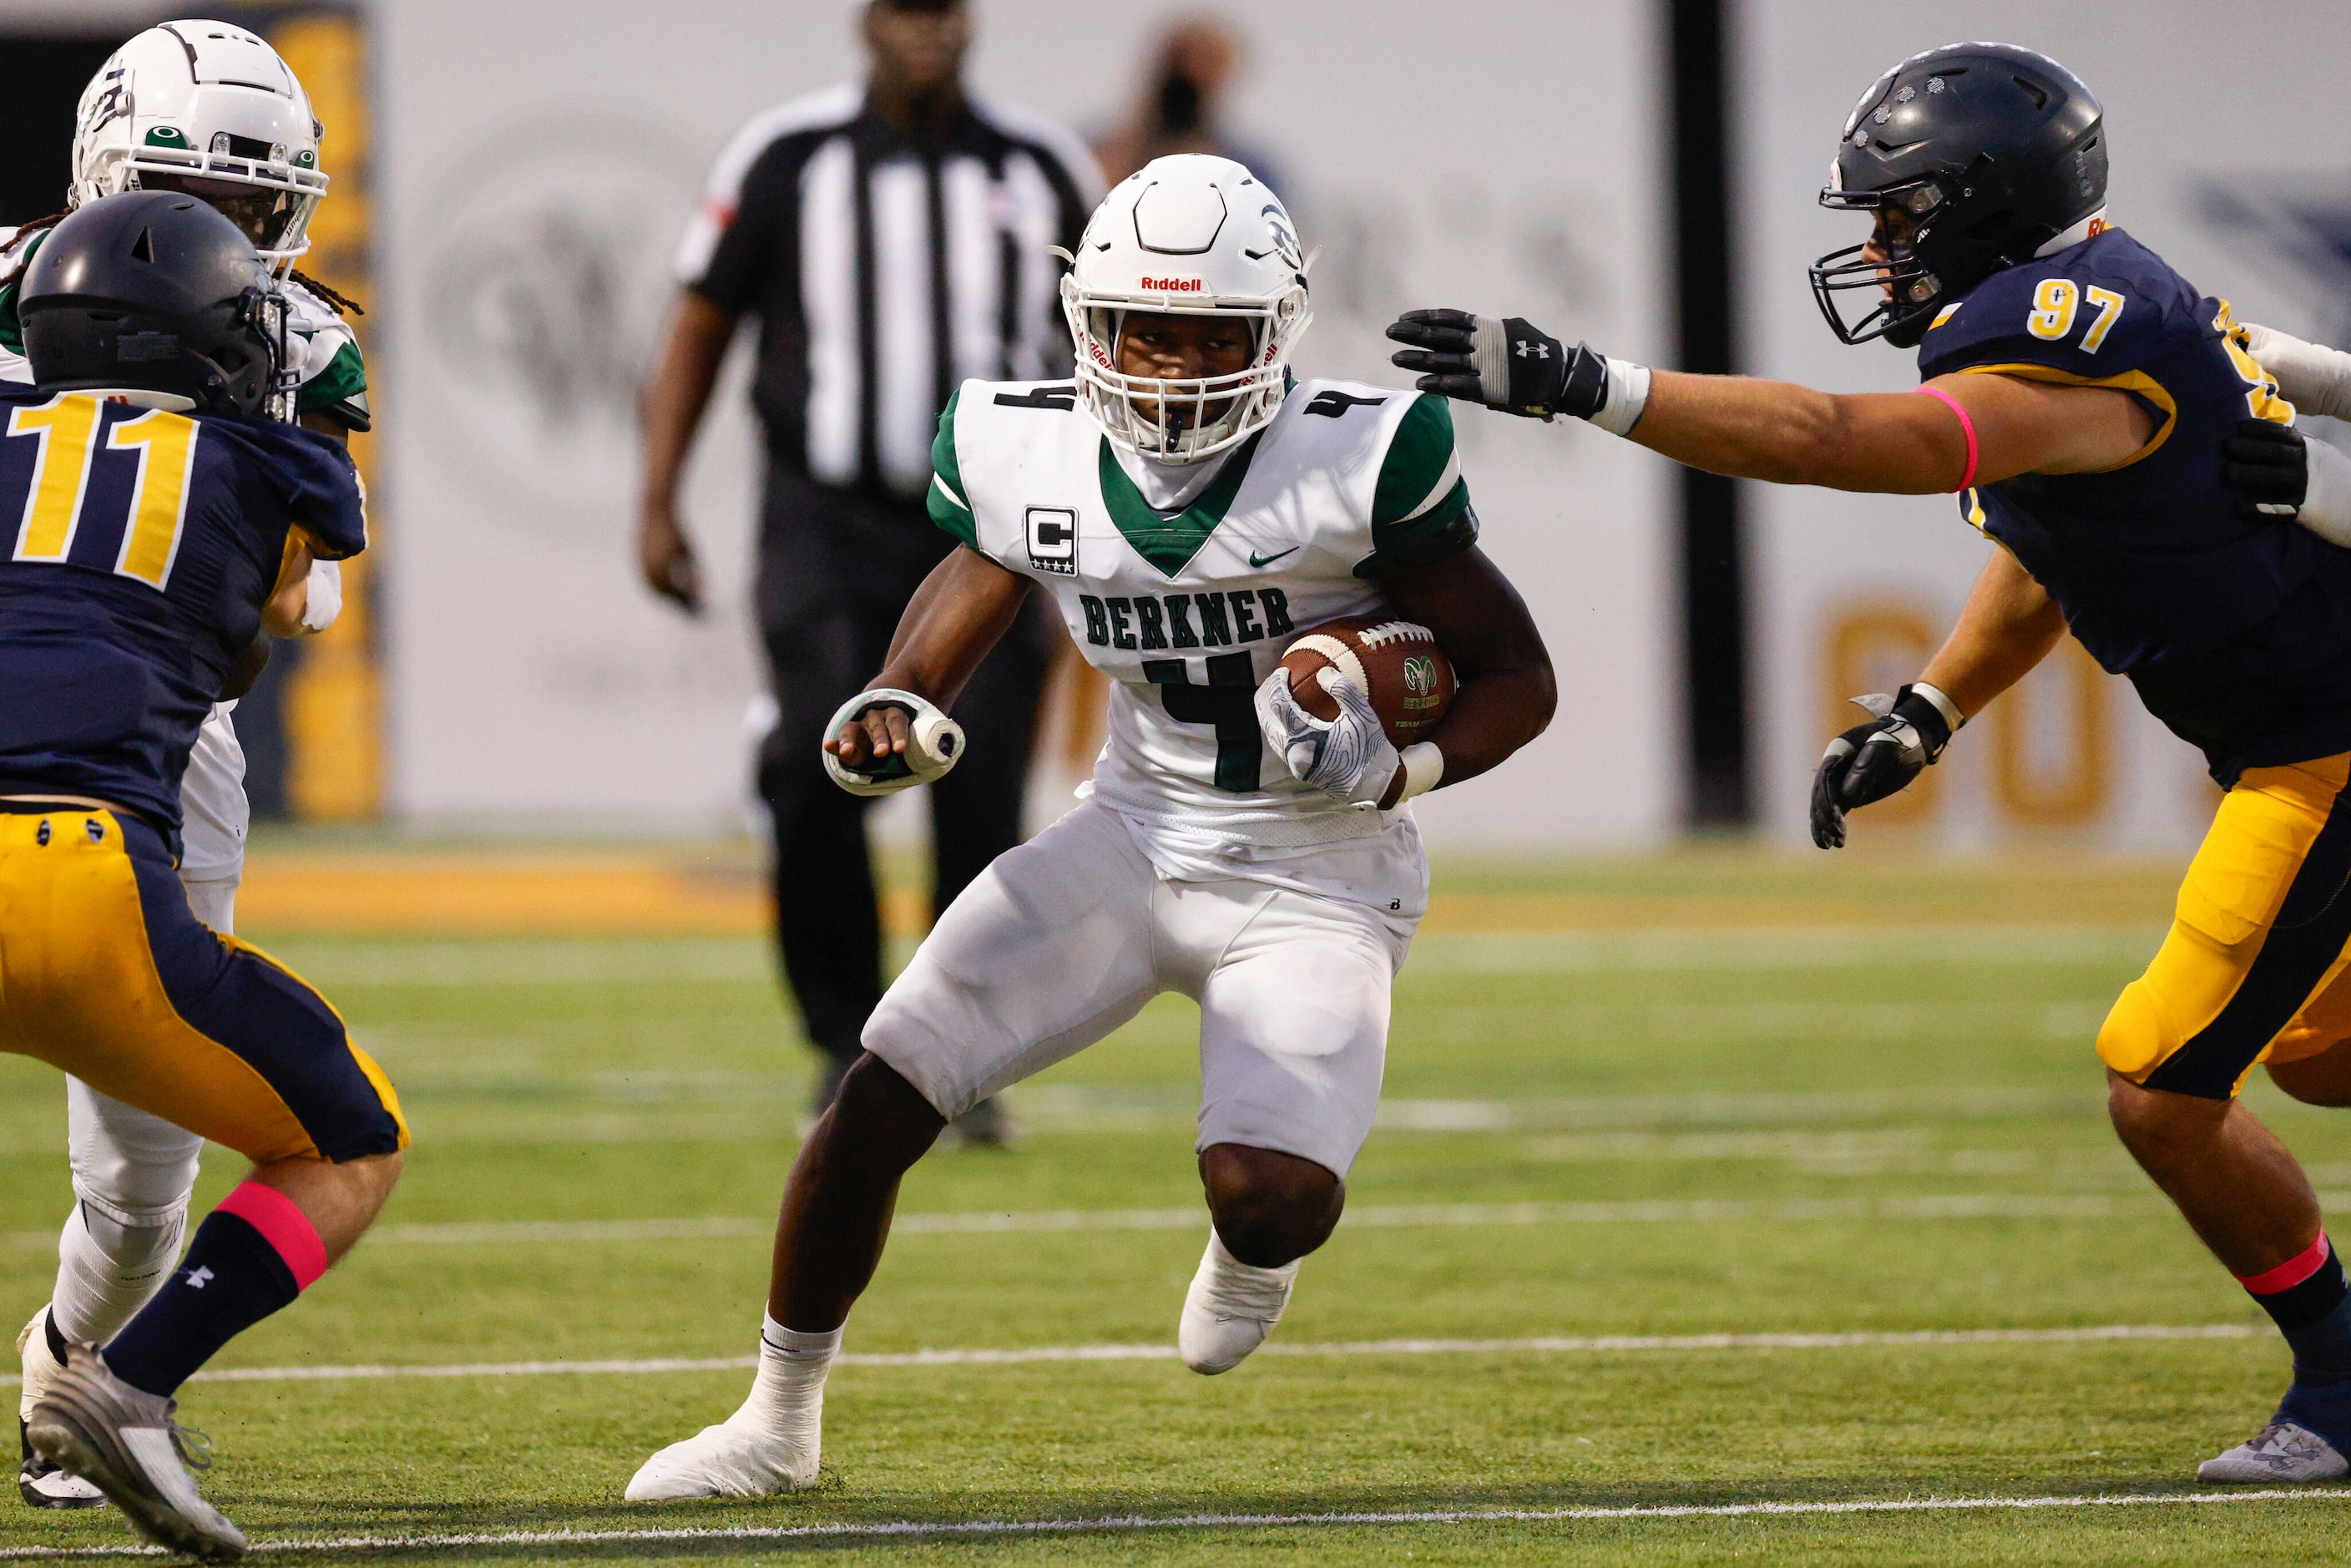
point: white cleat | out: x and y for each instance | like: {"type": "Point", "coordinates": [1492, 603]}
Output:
{"type": "Point", "coordinates": [726, 1461]}
{"type": "Point", "coordinates": [94, 1425]}
{"type": "Point", "coordinates": [1230, 1309]}
{"type": "Point", "coordinates": [2283, 1455]}
{"type": "Point", "coordinates": [38, 1482]}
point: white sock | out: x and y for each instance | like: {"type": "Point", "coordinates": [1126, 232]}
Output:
{"type": "Point", "coordinates": [107, 1271]}
{"type": "Point", "coordinates": [786, 1398]}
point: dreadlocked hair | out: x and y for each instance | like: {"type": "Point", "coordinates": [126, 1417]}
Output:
{"type": "Point", "coordinates": [37, 225]}
{"type": "Point", "coordinates": [337, 303]}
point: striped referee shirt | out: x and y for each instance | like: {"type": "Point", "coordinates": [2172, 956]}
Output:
{"type": "Point", "coordinates": [886, 272]}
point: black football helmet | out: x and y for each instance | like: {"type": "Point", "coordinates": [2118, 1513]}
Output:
{"type": "Point", "coordinates": [1973, 157]}
{"type": "Point", "coordinates": [154, 291]}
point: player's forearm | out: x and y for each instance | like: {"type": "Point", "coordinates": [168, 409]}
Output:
{"type": "Point", "coordinates": [2009, 624]}
{"type": "Point", "coordinates": [1493, 715]}
{"type": "Point", "coordinates": [1508, 693]}
{"type": "Point", "coordinates": [674, 401]}
{"type": "Point", "coordinates": [281, 614]}
{"type": "Point", "coordinates": [1788, 435]}
{"type": "Point", "coordinates": [960, 612]}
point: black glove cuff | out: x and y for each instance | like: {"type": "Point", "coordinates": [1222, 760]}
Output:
{"type": "Point", "coordinates": [1584, 391]}
{"type": "Point", "coordinates": [1924, 716]}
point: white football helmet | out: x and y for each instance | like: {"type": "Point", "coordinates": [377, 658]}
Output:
{"type": "Point", "coordinates": [209, 109]}
{"type": "Point", "coordinates": [1190, 235]}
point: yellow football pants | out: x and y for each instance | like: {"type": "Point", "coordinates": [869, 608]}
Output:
{"type": "Point", "coordinates": [2253, 969]}
{"type": "Point", "coordinates": [105, 973]}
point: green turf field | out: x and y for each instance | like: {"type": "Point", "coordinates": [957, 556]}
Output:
{"type": "Point", "coordinates": [1729, 1108]}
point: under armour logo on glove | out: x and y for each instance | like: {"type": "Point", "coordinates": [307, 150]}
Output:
{"type": "Point", "coordinates": [1540, 351]}
{"type": "Point", "coordinates": [198, 1277]}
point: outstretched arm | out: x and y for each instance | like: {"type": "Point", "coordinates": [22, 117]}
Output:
{"type": "Point", "coordinates": [954, 618]}
{"type": "Point", "coordinates": [1886, 443]}
{"type": "Point", "coordinates": [1900, 444]}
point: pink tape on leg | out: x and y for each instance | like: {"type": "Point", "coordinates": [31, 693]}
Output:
{"type": "Point", "coordinates": [284, 1225]}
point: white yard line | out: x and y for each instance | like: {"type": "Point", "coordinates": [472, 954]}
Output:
{"type": "Point", "coordinates": [1027, 1355]}
{"type": "Point", "coordinates": [1123, 1523]}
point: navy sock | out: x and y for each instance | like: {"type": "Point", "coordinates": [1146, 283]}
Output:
{"type": "Point", "coordinates": [231, 1279]}
{"type": "Point", "coordinates": [2309, 1299]}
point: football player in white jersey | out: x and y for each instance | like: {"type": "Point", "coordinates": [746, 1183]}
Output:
{"type": "Point", "coordinates": [1191, 508]}
{"type": "Point", "coordinates": [211, 110]}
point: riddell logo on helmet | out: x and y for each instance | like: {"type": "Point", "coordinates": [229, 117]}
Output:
{"type": "Point", "coordinates": [1177, 285]}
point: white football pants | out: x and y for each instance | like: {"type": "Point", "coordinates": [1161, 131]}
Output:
{"type": "Point", "coordinates": [132, 1173]}
{"type": "Point", "coordinates": [1066, 937]}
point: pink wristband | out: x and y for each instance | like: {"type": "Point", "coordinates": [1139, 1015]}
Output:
{"type": "Point", "coordinates": [1965, 424]}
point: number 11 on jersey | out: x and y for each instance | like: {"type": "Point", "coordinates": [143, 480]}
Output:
{"type": "Point", "coordinates": [67, 426]}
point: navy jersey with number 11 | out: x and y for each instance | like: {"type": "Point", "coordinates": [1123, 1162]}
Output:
{"type": "Point", "coordinates": [2236, 631]}
{"type": "Point", "coordinates": [137, 548]}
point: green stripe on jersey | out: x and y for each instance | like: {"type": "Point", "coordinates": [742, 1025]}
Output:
{"type": "Point", "coordinates": [1170, 543]}
{"type": "Point", "coordinates": [950, 507]}
{"type": "Point", "coordinates": [1421, 495]}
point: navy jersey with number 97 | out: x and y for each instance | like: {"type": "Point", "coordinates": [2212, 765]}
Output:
{"type": "Point", "coordinates": [137, 548]}
{"type": "Point", "coordinates": [2236, 631]}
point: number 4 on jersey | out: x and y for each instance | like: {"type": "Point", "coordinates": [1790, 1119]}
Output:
{"type": "Point", "coordinates": [1227, 704]}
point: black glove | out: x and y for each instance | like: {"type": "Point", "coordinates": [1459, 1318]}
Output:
{"type": "Point", "coordinates": [2267, 467]}
{"type": "Point", "coordinates": [1871, 761]}
{"type": "Point", "coordinates": [1506, 364]}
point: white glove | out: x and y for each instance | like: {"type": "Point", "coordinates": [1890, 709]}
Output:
{"type": "Point", "coordinates": [322, 595]}
{"type": "Point", "coordinates": [1350, 755]}
{"type": "Point", "coordinates": [934, 745]}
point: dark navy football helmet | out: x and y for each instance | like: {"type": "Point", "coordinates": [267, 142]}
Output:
{"type": "Point", "coordinates": [155, 291]}
{"type": "Point", "coordinates": [1973, 157]}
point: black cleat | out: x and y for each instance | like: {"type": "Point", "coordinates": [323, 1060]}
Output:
{"type": "Point", "coordinates": [123, 1439]}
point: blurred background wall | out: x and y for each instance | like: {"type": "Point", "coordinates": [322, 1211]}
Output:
{"type": "Point", "coordinates": [529, 215]}
{"type": "Point", "coordinates": [511, 177]}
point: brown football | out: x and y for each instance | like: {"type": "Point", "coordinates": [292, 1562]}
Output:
{"type": "Point", "coordinates": [1398, 665]}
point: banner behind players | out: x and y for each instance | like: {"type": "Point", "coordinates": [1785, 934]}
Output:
{"type": "Point", "coordinates": [542, 175]}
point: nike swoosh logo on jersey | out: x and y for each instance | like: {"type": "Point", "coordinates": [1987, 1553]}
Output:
{"type": "Point", "coordinates": [1256, 559]}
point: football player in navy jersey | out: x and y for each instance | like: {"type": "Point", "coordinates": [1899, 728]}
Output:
{"type": "Point", "coordinates": [2094, 414]}
{"type": "Point", "coordinates": [159, 516]}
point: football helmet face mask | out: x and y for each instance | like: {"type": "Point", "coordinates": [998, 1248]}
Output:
{"type": "Point", "coordinates": [1189, 235]}
{"type": "Point", "coordinates": [209, 110]}
{"type": "Point", "coordinates": [154, 291]}
{"type": "Point", "coordinates": [1971, 158]}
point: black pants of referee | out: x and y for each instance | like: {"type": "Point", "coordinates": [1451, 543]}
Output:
{"type": "Point", "coordinates": [836, 570]}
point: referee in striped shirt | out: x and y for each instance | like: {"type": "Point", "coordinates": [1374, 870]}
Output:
{"type": "Point", "coordinates": [894, 239]}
